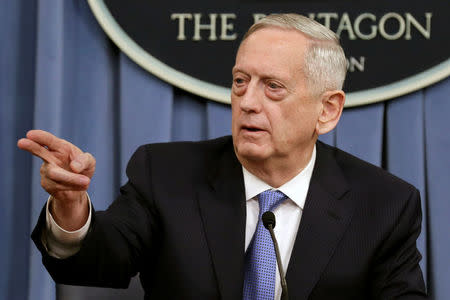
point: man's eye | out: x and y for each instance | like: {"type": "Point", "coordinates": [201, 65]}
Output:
{"type": "Point", "coordinates": [239, 80]}
{"type": "Point", "coordinates": [273, 85]}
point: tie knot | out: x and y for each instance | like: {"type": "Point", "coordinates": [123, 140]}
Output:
{"type": "Point", "coordinates": [269, 200]}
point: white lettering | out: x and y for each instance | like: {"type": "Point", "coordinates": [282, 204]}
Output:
{"type": "Point", "coordinates": [373, 32]}
{"type": "Point", "coordinates": [211, 27]}
{"type": "Point", "coordinates": [411, 20]}
{"type": "Point", "coordinates": [365, 26]}
{"type": "Point", "coordinates": [227, 26]}
{"type": "Point", "coordinates": [346, 24]}
{"type": "Point", "coordinates": [353, 64]}
{"type": "Point", "coordinates": [181, 17]}
{"type": "Point", "coordinates": [401, 26]}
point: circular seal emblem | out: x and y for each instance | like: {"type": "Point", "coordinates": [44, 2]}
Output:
{"type": "Point", "coordinates": [393, 49]}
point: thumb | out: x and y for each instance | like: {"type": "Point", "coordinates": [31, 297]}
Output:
{"type": "Point", "coordinates": [83, 163]}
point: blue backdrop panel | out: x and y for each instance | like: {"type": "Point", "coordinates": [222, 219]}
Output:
{"type": "Point", "coordinates": [329, 138]}
{"type": "Point", "coordinates": [87, 105]}
{"type": "Point", "coordinates": [189, 118]}
{"type": "Point", "coordinates": [16, 105]}
{"type": "Point", "coordinates": [437, 112]}
{"type": "Point", "coordinates": [406, 152]}
{"type": "Point", "coordinates": [218, 119]}
{"type": "Point", "coordinates": [145, 110]}
{"type": "Point", "coordinates": [49, 90]}
{"type": "Point", "coordinates": [360, 132]}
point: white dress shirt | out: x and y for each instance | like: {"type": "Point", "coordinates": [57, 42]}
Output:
{"type": "Point", "coordinates": [287, 214]}
{"type": "Point", "coordinates": [61, 243]}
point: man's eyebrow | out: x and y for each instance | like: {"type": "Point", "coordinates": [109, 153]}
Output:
{"type": "Point", "coordinates": [269, 75]}
{"type": "Point", "coordinates": [236, 69]}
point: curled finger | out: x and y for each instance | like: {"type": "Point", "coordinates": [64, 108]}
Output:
{"type": "Point", "coordinates": [64, 177]}
{"type": "Point", "coordinates": [56, 189]}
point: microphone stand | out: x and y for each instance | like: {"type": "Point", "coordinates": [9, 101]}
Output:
{"type": "Point", "coordinates": [269, 222]}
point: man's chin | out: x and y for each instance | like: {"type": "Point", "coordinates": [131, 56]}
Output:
{"type": "Point", "coordinates": [250, 151]}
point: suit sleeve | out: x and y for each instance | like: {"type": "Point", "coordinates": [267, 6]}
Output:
{"type": "Point", "coordinates": [117, 238]}
{"type": "Point", "coordinates": [397, 272]}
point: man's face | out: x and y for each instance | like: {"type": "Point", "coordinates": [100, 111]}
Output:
{"type": "Point", "coordinates": [273, 115]}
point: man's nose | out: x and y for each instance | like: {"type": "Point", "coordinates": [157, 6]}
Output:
{"type": "Point", "coordinates": [251, 100]}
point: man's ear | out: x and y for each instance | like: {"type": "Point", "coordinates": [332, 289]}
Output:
{"type": "Point", "coordinates": [332, 106]}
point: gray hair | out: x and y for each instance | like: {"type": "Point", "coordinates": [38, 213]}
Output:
{"type": "Point", "coordinates": [325, 62]}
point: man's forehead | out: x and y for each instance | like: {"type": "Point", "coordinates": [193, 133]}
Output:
{"type": "Point", "coordinates": [270, 38]}
{"type": "Point", "coordinates": [273, 48]}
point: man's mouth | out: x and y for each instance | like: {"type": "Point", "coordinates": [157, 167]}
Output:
{"type": "Point", "coordinates": [252, 129]}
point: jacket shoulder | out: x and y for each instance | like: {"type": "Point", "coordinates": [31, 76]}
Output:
{"type": "Point", "coordinates": [364, 174]}
{"type": "Point", "coordinates": [188, 147]}
{"type": "Point", "coordinates": [176, 158]}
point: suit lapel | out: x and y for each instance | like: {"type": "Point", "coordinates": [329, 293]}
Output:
{"type": "Point", "coordinates": [222, 208]}
{"type": "Point", "coordinates": [327, 212]}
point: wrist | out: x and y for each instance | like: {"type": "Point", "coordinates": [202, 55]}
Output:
{"type": "Point", "coordinates": [70, 215]}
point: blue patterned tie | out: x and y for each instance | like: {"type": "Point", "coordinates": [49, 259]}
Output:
{"type": "Point", "coordinates": [260, 259]}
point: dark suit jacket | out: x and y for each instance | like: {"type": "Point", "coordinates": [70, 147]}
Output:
{"type": "Point", "coordinates": [180, 223]}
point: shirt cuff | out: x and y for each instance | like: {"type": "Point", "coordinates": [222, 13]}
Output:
{"type": "Point", "coordinates": [61, 243]}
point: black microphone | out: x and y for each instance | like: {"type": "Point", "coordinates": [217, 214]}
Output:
{"type": "Point", "coordinates": [268, 219]}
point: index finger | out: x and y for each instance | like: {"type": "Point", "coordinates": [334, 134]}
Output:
{"type": "Point", "coordinates": [46, 139]}
{"type": "Point", "coordinates": [53, 143]}
{"type": "Point", "coordinates": [36, 149]}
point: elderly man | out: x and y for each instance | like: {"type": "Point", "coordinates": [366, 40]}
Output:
{"type": "Point", "coordinates": [189, 218]}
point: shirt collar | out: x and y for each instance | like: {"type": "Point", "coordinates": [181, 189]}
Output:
{"type": "Point", "coordinates": [296, 188]}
